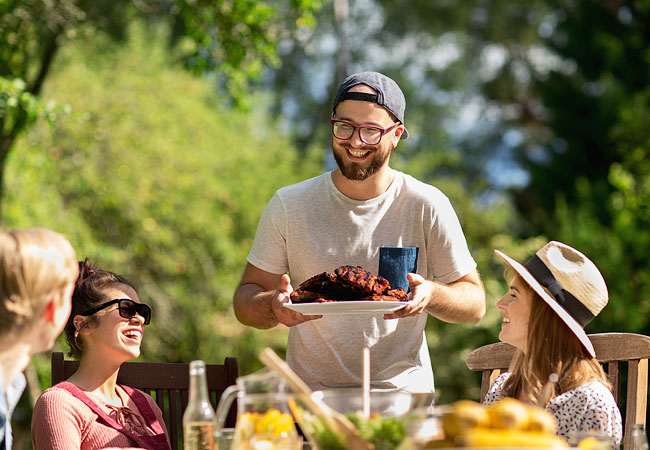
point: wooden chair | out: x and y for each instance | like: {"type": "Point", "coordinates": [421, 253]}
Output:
{"type": "Point", "coordinates": [613, 350]}
{"type": "Point", "coordinates": [167, 383]}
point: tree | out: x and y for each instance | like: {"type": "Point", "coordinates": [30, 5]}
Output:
{"type": "Point", "coordinates": [234, 39]}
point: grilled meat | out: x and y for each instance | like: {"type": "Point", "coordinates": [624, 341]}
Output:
{"type": "Point", "coordinates": [399, 293]}
{"type": "Point", "coordinates": [347, 283]}
{"type": "Point", "coordinates": [358, 279]}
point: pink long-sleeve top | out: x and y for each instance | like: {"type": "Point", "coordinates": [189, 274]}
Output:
{"type": "Point", "coordinates": [63, 422]}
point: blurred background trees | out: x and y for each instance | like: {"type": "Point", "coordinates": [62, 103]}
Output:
{"type": "Point", "coordinates": [166, 125]}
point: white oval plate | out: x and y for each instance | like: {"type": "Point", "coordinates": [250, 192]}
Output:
{"type": "Point", "coordinates": [346, 307]}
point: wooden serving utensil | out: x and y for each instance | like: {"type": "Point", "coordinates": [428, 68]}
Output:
{"type": "Point", "coordinates": [334, 419]}
{"type": "Point", "coordinates": [365, 385]}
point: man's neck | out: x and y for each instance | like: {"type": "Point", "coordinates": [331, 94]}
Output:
{"type": "Point", "coordinates": [371, 187]}
{"type": "Point", "coordinates": [13, 360]}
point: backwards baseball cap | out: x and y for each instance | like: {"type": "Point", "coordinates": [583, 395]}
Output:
{"type": "Point", "coordinates": [389, 95]}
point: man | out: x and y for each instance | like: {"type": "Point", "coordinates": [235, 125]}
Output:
{"type": "Point", "coordinates": [343, 217]}
{"type": "Point", "coordinates": [38, 269]}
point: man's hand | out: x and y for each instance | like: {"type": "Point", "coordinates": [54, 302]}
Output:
{"type": "Point", "coordinates": [259, 297]}
{"type": "Point", "coordinates": [284, 315]}
{"type": "Point", "coordinates": [461, 301]}
{"type": "Point", "coordinates": [421, 294]}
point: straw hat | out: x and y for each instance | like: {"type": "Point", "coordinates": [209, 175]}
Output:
{"type": "Point", "coordinates": [568, 282]}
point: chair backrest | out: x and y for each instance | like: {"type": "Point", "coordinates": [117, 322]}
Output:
{"type": "Point", "coordinates": [167, 383]}
{"type": "Point", "coordinates": [613, 351]}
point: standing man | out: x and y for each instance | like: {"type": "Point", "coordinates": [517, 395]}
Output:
{"type": "Point", "coordinates": [38, 268]}
{"type": "Point", "coordinates": [344, 217]}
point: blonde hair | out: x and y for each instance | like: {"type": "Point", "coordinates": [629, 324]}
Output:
{"type": "Point", "coordinates": [35, 264]}
{"type": "Point", "coordinates": [552, 348]}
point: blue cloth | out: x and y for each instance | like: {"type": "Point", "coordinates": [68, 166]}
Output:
{"type": "Point", "coordinates": [8, 402]}
{"type": "Point", "coordinates": [395, 263]}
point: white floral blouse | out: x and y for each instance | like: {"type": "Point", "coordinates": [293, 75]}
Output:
{"type": "Point", "coordinates": [589, 407]}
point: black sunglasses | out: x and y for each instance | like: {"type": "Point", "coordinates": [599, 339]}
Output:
{"type": "Point", "coordinates": [127, 308]}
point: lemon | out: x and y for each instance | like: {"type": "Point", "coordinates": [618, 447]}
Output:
{"type": "Point", "coordinates": [591, 443]}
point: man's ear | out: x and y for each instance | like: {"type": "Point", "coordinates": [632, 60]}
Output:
{"type": "Point", "coordinates": [56, 311]}
{"type": "Point", "coordinates": [398, 134]}
{"type": "Point", "coordinates": [51, 308]}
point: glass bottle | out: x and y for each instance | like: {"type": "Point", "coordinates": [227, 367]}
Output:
{"type": "Point", "coordinates": [198, 418]}
{"type": "Point", "coordinates": [639, 438]}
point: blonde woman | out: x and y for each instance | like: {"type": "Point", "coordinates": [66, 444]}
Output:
{"type": "Point", "coordinates": [38, 268]}
{"type": "Point", "coordinates": [550, 300]}
{"type": "Point", "coordinates": [90, 410]}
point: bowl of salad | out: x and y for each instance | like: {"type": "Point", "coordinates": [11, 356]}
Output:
{"type": "Point", "coordinates": [391, 417]}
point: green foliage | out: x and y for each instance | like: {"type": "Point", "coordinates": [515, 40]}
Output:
{"type": "Point", "coordinates": [154, 181]}
{"type": "Point", "coordinates": [236, 39]}
{"type": "Point", "coordinates": [15, 98]}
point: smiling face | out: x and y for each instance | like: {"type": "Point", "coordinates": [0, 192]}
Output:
{"type": "Point", "coordinates": [114, 336]}
{"type": "Point", "coordinates": [515, 306]}
{"type": "Point", "coordinates": [355, 159]}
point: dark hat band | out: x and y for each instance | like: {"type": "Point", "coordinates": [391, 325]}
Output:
{"type": "Point", "coordinates": [373, 98]}
{"type": "Point", "coordinates": [572, 305]}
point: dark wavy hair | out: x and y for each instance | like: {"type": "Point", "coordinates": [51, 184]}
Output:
{"type": "Point", "coordinates": [88, 292]}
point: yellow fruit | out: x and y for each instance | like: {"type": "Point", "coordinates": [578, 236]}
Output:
{"type": "Point", "coordinates": [508, 413]}
{"type": "Point", "coordinates": [441, 443]}
{"type": "Point", "coordinates": [540, 419]}
{"type": "Point", "coordinates": [268, 422]}
{"type": "Point", "coordinates": [283, 425]}
{"type": "Point", "coordinates": [463, 415]}
{"type": "Point", "coordinates": [591, 443]}
{"type": "Point", "coordinates": [489, 437]}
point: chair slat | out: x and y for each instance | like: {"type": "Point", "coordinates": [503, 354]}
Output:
{"type": "Point", "coordinates": [485, 382]}
{"type": "Point", "coordinates": [492, 356]}
{"type": "Point", "coordinates": [620, 346]}
{"type": "Point", "coordinates": [173, 418]}
{"type": "Point", "coordinates": [613, 374]}
{"type": "Point", "coordinates": [160, 397]}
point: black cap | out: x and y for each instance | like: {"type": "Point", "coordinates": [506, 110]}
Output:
{"type": "Point", "coordinates": [389, 95]}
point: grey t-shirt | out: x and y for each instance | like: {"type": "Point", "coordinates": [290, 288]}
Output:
{"type": "Point", "coordinates": [311, 227]}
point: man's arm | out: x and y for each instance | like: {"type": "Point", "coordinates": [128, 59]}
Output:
{"type": "Point", "coordinates": [259, 297]}
{"type": "Point", "coordinates": [461, 301]}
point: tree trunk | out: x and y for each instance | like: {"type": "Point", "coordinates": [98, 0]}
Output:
{"type": "Point", "coordinates": [5, 145]}
{"type": "Point", "coordinates": [341, 13]}
{"type": "Point", "coordinates": [7, 140]}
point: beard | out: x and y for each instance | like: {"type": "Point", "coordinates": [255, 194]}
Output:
{"type": "Point", "coordinates": [354, 171]}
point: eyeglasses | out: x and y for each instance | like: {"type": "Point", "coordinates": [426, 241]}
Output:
{"type": "Point", "coordinates": [368, 134]}
{"type": "Point", "coordinates": [127, 308]}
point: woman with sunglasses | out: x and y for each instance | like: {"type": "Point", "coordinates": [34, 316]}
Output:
{"type": "Point", "coordinates": [90, 410]}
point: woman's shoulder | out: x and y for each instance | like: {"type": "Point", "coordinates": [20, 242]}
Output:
{"type": "Point", "coordinates": [594, 388]}
{"type": "Point", "coordinates": [55, 393]}
{"type": "Point", "coordinates": [591, 394]}
{"type": "Point", "coordinates": [57, 401]}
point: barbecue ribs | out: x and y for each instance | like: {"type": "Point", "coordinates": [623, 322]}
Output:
{"type": "Point", "coordinates": [347, 283]}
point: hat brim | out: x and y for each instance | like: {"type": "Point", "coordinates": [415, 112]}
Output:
{"type": "Point", "coordinates": [573, 325]}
